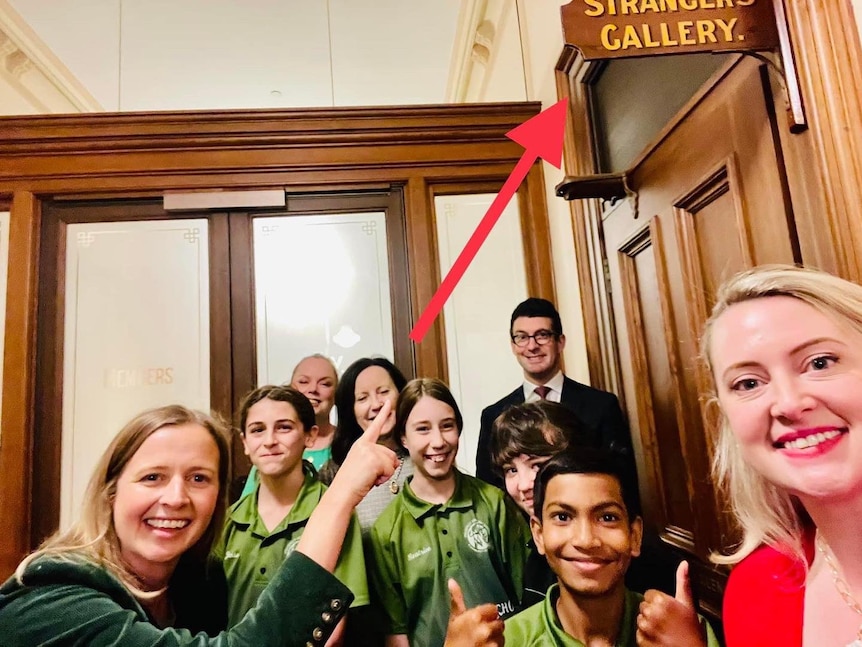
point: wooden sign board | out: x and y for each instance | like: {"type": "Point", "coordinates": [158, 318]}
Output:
{"type": "Point", "coordinates": [621, 28]}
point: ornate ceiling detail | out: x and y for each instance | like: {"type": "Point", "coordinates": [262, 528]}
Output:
{"type": "Point", "coordinates": [32, 79]}
{"type": "Point", "coordinates": [17, 63]}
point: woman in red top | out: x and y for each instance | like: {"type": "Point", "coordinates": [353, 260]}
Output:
{"type": "Point", "coordinates": [784, 346]}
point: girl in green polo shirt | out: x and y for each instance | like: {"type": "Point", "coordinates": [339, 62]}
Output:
{"type": "Point", "coordinates": [441, 525]}
{"type": "Point", "coordinates": [277, 424]}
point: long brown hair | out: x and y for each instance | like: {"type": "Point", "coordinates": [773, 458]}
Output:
{"type": "Point", "coordinates": [415, 391]}
{"type": "Point", "coordinates": [93, 537]}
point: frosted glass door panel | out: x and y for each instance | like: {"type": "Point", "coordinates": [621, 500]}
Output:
{"type": "Point", "coordinates": [476, 317]}
{"type": "Point", "coordinates": [4, 271]}
{"type": "Point", "coordinates": [321, 286]}
{"type": "Point", "coordinates": [136, 333]}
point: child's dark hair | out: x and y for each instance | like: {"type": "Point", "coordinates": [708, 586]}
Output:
{"type": "Point", "coordinates": [537, 429]}
{"type": "Point", "coordinates": [279, 393]}
{"type": "Point", "coordinates": [415, 391]}
{"type": "Point", "coordinates": [586, 460]}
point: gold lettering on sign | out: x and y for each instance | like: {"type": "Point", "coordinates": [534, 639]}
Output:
{"type": "Point", "coordinates": [684, 32]}
{"type": "Point", "coordinates": [129, 378]}
{"type": "Point", "coordinates": [636, 7]}
{"type": "Point", "coordinates": [613, 28]}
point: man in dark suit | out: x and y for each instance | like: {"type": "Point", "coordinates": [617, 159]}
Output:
{"type": "Point", "coordinates": [537, 341]}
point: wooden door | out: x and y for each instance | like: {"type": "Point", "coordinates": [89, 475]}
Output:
{"type": "Point", "coordinates": [709, 200]}
{"type": "Point", "coordinates": [229, 254]}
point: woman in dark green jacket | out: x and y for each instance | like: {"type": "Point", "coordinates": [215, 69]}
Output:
{"type": "Point", "coordinates": [134, 570]}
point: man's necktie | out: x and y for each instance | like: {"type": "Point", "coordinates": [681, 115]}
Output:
{"type": "Point", "coordinates": [542, 392]}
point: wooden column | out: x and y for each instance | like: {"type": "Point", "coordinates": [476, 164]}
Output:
{"type": "Point", "coordinates": [19, 370]}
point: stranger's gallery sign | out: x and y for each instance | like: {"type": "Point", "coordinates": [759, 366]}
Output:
{"type": "Point", "coordinates": [620, 28]}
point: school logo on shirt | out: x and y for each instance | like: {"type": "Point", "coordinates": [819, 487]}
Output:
{"type": "Point", "coordinates": [291, 546]}
{"type": "Point", "coordinates": [477, 535]}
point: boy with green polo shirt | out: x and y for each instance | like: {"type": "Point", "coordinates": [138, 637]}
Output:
{"type": "Point", "coordinates": [263, 528]}
{"type": "Point", "coordinates": [584, 523]}
{"type": "Point", "coordinates": [442, 525]}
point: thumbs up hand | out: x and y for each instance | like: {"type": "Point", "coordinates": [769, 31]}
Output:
{"type": "Point", "coordinates": [477, 627]}
{"type": "Point", "coordinates": [666, 621]}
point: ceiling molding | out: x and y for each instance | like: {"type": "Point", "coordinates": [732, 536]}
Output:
{"type": "Point", "coordinates": [481, 24]}
{"type": "Point", "coordinates": [34, 73]}
{"type": "Point", "coordinates": [467, 50]}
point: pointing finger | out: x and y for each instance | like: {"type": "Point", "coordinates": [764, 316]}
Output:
{"type": "Point", "coordinates": [372, 434]}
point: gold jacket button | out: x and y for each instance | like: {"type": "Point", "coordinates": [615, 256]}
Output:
{"type": "Point", "coordinates": [326, 617]}
{"type": "Point", "coordinates": [317, 634]}
{"type": "Point", "coordinates": [335, 605]}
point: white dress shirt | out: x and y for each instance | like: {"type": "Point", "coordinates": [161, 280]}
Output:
{"type": "Point", "coordinates": [554, 395]}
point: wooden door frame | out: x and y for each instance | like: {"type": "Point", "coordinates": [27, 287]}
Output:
{"type": "Point", "coordinates": [48, 419]}
{"type": "Point", "coordinates": [231, 311]}
{"type": "Point", "coordinates": [824, 197]}
{"type": "Point", "coordinates": [111, 156]}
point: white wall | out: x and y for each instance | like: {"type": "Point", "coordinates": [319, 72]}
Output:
{"type": "Point", "coordinates": [476, 316]}
{"type": "Point", "coordinates": [525, 39]}
{"type": "Point", "coordinates": [504, 76]}
{"type": "Point", "coordinates": [542, 37]}
{"type": "Point", "coordinates": [218, 54]}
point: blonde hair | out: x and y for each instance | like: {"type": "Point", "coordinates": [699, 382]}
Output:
{"type": "Point", "coordinates": [766, 513]}
{"type": "Point", "coordinates": [93, 536]}
{"type": "Point", "coordinates": [326, 359]}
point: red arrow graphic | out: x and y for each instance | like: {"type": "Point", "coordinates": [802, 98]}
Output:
{"type": "Point", "coordinates": [541, 136]}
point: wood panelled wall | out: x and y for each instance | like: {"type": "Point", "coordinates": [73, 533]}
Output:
{"type": "Point", "coordinates": [425, 150]}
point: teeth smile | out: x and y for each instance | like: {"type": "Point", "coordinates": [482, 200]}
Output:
{"type": "Point", "coordinates": [437, 458]}
{"type": "Point", "coordinates": [168, 523]}
{"type": "Point", "coordinates": [811, 441]}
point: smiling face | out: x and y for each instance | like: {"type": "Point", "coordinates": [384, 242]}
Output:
{"type": "Point", "coordinates": [315, 378]}
{"type": "Point", "coordinates": [519, 475]}
{"type": "Point", "coordinates": [585, 533]}
{"type": "Point", "coordinates": [274, 438]}
{"type": "Point", "coordinates": [431, 438]}
{"type": "Point", "coordinates": [540, 362]}
{"type": "Point", "coordinates": [789, 381]}
{"type": "Point", "coordinates": [165, 498]}
{"type": "Point", "coordinates": [374, 386]}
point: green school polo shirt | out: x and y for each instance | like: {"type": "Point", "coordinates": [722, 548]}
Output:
{"type": "Point", "coordinates": [478, 537]}
{"type": "Point", "coordinates": [317, 457]}
{"type": "Point", "coordinates": [539, 626]}
{"type": "Point", "coordinates": [251, 554]}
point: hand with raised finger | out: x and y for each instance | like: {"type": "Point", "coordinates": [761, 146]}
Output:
{"type": "Point", "coordinates": [367, 463]}
{"type": "Point", "coordinates": [665, 621]}
{"type": "Point", "coordinates": [477, 627]}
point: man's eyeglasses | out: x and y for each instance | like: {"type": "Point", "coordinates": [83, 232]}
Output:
{"type": "Point", "coordinates": [542, 337]}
